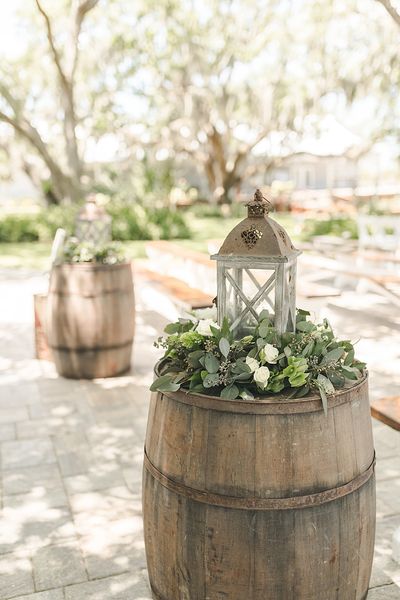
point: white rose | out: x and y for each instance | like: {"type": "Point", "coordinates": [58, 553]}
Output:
{"type": "Point", "coordinates": [203, 326]}
{"type": "Point", "coordinates": [206, 313]}
{"type": "Point", "coordinates": [269, 354]}
{"type": "Point", "coordinates": [261, 377]}
{"type": "Point", "coordinates": [252, 363]}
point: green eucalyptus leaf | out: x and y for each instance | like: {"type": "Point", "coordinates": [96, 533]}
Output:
{"type": "Point", "coordinates": [199, 389]}
{"type": "Point", "coordinates": [242, 376]}
{"type": "Point", "coordinates": [263, 328]}
{"type": "Point", "coordinates": [241, 366]}
{"type": "Point", "coordinates": [172, 328]}
{"type": "Point", "coordinates": [350, 373]}
{"type": "Point", "coordinates": [164, 384]}
{"type": "Point", "coordinates": [194, 358]}
{"type": "Point", "coordinates": [349, 358]}
{"type": "Point", "coordinates": [224, 346]}
{"type": "Point", "coordinates": [230, 393]}
{"type": "Point", "coordinates": [332, 356]}
{"type": "Point", "coordinates": [303, 391]}
{"type": "Point", "coordinates": [211, 380]}
{"type": "Point", "coordinates": [337, 379]}
{"type": "Point", "coordinates": [264, 315]}
{"type": "Point", "coordinates": [211, 363]}
{"type": "Point", "coordinates": [305, 326]}
{"type": "Point", "coordinates": [324, 400]}
{"type": "Point", "coordinates": [307, 351]}
{"type": "Point", "coordinates": [225, 328]}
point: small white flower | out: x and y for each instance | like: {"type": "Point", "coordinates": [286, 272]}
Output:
{"type": "Point", "coordinates": [252, 363]}
{"type": "Point", "coordinates": [206, 313]}
{"type": "Point", "coordinates": [261, 377]}
{"type": "Point", "coordinates": [203, 326]}
{"type": "Point", "coordinates": [269, 354]}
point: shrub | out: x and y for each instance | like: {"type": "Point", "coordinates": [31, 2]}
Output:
{"type": "Point", "coordinates": [50, 219]}
{"type": "Point", "coordinates": [132, 221]}
{"type": "Point", "coordinates": [15, 228]}
{"type": "Point", "coordinates": [340, 226]}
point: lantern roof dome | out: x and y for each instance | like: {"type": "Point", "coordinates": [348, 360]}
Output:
{"type": "Point", "coordinates": [258, 235]}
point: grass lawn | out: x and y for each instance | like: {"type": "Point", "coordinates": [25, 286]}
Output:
{"type": "Point", "coordinates": [35, 255]}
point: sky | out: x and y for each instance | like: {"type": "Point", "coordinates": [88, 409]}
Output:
{"type": "Point", "coordinates": [8, 23]}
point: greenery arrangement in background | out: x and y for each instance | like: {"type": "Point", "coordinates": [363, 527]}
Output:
{"type": "Point", "coordinates": [83, 252]}
{"type": "Point", "coordinates": [131, 221]}
{"type": "Point", "coordinates": [204, 358]}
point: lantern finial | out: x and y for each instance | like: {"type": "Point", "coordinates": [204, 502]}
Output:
{"type": "Point", "coordinates": [259, 206]}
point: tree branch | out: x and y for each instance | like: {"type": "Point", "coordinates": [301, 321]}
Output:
{"type": "Point", "coordinates": [388, 6]}
{"type": "Point", "coordinates": [56, 56]}
{"type": "Point", "coordinates": [31, 134]}
{"type": "Point", "coordinates": [83, 9]}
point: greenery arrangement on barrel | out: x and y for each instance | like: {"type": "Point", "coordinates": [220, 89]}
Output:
{"type": "Point", "coordinates": [75, 251]}
{"type": "Point", "coordinates": [203, 358]}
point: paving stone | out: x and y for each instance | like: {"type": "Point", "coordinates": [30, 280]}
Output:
{"type": "Point", "coordinates": [98, 479]}
{"type": "Point", "coordinates": [120, 587]}
{"type": "Point", "coordinates": [49, 595]}
{"type": "Point", "coordinates": [133, 478]}
{"type": "Point", "coordinates": [386, 468]}
{"type": "Point", "coordinates": [53, 497]}
{"type": "Point", "coordinates": [73, 454]}
{"type": "Point", "coordinates": [107, 555]}
{"type": "Point", "coordinates": [379, 577]}
{"type": "Point", "coordinates": [58, 565]}
{"type": "Point", "coordinates": [27, 453]}
{"type": "Point", "coordinates": [386, 592]}
{"type": "Point", "coordinates": [15, 577]}
{"type": "Point", "coordinates": [388, 497]}
{"type": "Point", "coordinates": [12, 415]}
{"type": "Point", "coordinates": [115, 501]}
{"type": "Point", "coordinates": [89, 524]}
{"type": "Point", "coordinates": [32, 527]}
{"type": "Point", "coordinates": [25, 480]}
{"type": "Point", "coordinates": [7, 432]}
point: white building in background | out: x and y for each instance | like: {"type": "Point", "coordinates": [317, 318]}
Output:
{"type": "Point", "coordinates": [310, 171]}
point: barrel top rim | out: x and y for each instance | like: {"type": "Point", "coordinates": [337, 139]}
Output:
{"type": "Point", "coordinates": [269, 401]}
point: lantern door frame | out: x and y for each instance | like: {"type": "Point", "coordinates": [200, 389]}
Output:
{"type": "Point", "coordinates": [281, 278]}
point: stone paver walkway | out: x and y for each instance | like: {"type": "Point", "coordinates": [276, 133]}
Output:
{"type": "Point", "coordinates": [71, 459]}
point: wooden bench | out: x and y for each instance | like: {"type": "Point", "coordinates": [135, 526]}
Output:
{"type": "Point", "coordinates": [378, 279]}
{"type": "Point", "coordinates": [182, 295]}
{"type": "Point", "coordinates": [193, 268]}
{"type": "Point", "coordinates": [387, 410]}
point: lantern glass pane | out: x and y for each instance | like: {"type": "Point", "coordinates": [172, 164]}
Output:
{"type": "Point", "coordinates": [248, 291]}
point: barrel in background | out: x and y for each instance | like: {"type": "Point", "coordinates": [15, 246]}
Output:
{"type": "Point", "coordinates": [91, 316]}
{"type": "Point", "coordinates": [42, 350]}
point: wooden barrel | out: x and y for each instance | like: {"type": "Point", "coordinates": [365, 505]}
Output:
{"type": "Point", "coordinates": [262, 500]}
{"type": "Point", "coordinates": [91, 315]}
{"type": "Point", "coordinates": [42, 350]}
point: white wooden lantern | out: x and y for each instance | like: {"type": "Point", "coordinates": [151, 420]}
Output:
{"type": "Point", "coordinates": [256, 271]}
{"type": "Point", "coordinates": [93, 224]}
